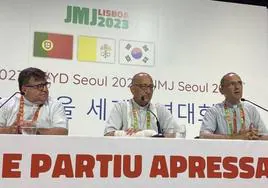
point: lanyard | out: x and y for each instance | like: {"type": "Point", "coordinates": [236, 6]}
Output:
{"type": "Point", "coordinates": [232, 124]}
{"type": "Point", "coordinates": [20, 113]}
{"type": "Point", "coordinates": [135, 118]}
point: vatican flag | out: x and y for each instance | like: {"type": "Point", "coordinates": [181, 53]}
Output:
{"type": "Point", "coordinates": [136, 53]}
{"type": "Point", "coordinates": [94, 49]}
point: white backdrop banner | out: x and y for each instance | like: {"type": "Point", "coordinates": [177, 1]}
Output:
{"type": "Point", "coordinates": [92, 48]}
{"type": "Point", "coordinates": [131, 162]}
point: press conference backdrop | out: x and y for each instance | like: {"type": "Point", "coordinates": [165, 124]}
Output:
{"type": "Point", "coordinates": [92, 48]}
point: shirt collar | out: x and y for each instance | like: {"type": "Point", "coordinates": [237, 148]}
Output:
{"type": "Point", "coordinates": [229, 105]}
{"type": "Point", "coordinates": [29, 103]}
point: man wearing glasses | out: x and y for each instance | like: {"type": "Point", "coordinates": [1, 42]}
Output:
{"type": "Point", "coordinates": [136, 116]}
{"type": "Point", "coordinates": [33, 107]}
{"type": "Point", "coordinates": [233, 119]}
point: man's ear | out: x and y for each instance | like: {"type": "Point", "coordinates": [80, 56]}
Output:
{"type": "Point", "coordinates": [221, 89]}
{"type": "Point", "coordinates": [132, 89]}
{"type": "Point", "coordinates": [23, 89]}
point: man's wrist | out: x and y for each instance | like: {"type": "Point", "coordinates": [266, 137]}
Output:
{"type": "Point", "coordinates": [8, 130]}
{"type": "Point", "coordinates": [238, 137]}
{"type": "Point", "coordinates": [232, 136]}
{"type": "Point", "coordinates": [111, 133]}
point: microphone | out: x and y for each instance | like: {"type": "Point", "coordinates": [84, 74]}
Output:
{"type": "Point", "coordinates": [22, 93]}
{"type": "Point", "coordinates": [242, 99]}
{"type": "Point", "coordinates": [159, 131]}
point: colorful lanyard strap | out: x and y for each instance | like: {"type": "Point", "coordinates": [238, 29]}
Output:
{"type": "Point", "coordinates": [20, 113]}
{"type": "Point", "coordinates": [135, 118]}
{"type": "Point", "coordinates": [232, 124]}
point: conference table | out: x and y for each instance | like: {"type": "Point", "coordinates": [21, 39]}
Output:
{"type": "Point", "coordinates": [87, 162]}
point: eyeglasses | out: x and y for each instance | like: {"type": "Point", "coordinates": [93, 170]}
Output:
{"type": "Point", "coordinates": [40, 86]}
{"type": "Point", "coordinates": [144, 86]}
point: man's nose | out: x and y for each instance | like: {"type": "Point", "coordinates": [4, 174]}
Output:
{"type": "Point", "coordinates": [44, 88]}
{"type": "Point", "coordinates": [238, 85]}
{"type": "Point", "coordinates": [148, 90]}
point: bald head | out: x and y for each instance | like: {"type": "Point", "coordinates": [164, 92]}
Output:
{"type": "Point", "coordinates": [232, 87]}
{"type": "Point", "coordinates": [140, 76]}
{"type": "Point", "coordinates": [226, 76]}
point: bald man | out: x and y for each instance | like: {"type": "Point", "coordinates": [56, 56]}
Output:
{"type": "Point", "coordinates": [134, 117]}
{"type": "Point", "coordinates": [233, 119]}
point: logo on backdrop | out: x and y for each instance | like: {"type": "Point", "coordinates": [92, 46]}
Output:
{"type": "Point", "coordinates": [96, 17]}
{"type": "Point", "coordinates": [136, 53]}
{"type": "Point", "coordinates": [53, 45]}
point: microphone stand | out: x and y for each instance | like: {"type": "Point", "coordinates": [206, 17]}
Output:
{"type": "Point", "coordinates": [9, 99]}
{"type": "Point", "coordinates": [159, 132]}
{"type": "Point", "coordinates": [18, 128]}
{"type": "Point", "coordinates": [242, 99]}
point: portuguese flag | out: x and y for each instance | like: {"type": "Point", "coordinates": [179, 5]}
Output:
{"type": "Point", "coordinates": [53, 45]}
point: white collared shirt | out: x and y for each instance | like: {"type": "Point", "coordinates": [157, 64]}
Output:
{"type": "Point", "coordinates": [51, 114]}
{"type": "Point", "coordinates": [121, 115]}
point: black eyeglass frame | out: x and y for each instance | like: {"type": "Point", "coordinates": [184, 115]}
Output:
{"type": "Point", "coordinates": [39, 86]}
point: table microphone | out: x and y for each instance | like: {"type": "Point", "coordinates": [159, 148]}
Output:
{"type": "Point", "coordinates": [242, 99]}
{"type": "Point", "coordinates": [22, 93]}
{"type": "Point", "coordinates": [159, 132]}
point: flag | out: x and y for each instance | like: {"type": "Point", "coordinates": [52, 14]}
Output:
{"type": "Point", "coordinates": [136, 53]}
{"type": "Point", "coordinates": [53, 45]}
{"type": "Point", "coordinates": [95, 49]}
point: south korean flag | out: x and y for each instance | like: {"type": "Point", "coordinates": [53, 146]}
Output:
{"type": "Point", "coordinates": [136, 53]}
